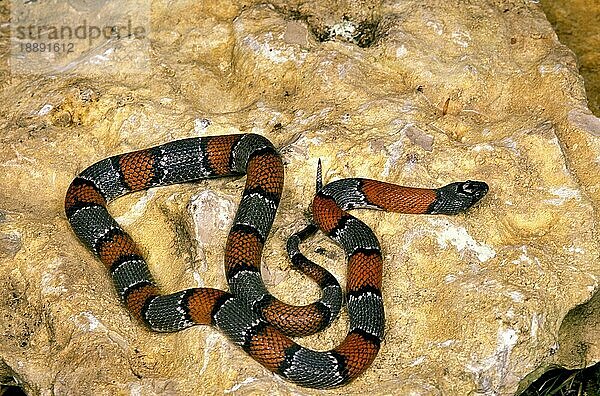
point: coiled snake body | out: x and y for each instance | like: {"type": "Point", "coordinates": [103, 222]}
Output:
{"type": "Point", "coordinates": [248, 314]}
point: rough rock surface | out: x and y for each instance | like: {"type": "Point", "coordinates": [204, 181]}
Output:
{"type": "Point", "coordinates": [577, 25]}
{"type": "Point", "coordinates": [413, 94]}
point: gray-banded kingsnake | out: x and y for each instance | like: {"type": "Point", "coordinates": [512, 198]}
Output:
{"type": "Point", "coordinates": [248, 315]}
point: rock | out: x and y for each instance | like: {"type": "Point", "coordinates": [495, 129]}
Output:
{"type": "Point", "coordinates": [567, 21]}
{"type": "Point", "coordinates": [413, 94]}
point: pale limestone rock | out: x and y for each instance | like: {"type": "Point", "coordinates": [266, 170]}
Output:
{"type": "Point", "coordinates": [411, 94]}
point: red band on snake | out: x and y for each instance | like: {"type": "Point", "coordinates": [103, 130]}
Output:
{"type": "Point", "coordinates": [248, 314]}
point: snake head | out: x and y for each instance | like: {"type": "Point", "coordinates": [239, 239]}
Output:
{"type": "Point", "coordinates": [458, 197]}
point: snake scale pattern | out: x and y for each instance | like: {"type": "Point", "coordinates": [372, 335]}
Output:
{"type": "Point", "coordinates": [248, 314]}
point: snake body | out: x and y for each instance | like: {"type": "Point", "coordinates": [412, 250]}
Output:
{"type": "Point", "coordinates": [248, 315]}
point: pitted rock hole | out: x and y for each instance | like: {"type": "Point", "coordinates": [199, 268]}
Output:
{"type": "Point", "coordinates": [364, 33]}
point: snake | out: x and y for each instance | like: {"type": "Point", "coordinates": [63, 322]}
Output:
{"type": "Point", "coordinates": [247, 313]}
